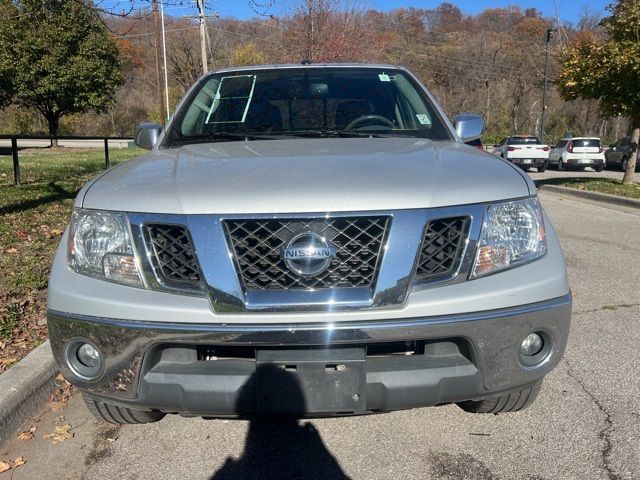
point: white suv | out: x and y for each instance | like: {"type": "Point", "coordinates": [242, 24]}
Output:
{"type": "Point", "coordinates": [578, 153]}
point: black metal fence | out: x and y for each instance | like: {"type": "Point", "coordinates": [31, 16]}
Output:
{"type": "Point", "coordinates": [16, 159]}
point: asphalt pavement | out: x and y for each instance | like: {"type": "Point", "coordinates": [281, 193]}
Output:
{"type": "Point", "coordinates": [5, 144]}
{"type": "Point", "coordinates": [585, 424]}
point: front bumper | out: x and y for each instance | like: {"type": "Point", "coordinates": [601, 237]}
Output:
{"type": "Point", "coordinates": [457, 357]}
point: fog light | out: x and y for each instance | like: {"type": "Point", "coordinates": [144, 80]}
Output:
{"type": "Point", "coordinates": [84, 359]}
{"type": "Point", "coordinates": [532, 345]}
{"type": "Point", "coordinates": [88, 356]}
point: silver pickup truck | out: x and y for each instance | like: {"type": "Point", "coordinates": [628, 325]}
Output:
{"type": "Point", "coordinates": [308, 240]}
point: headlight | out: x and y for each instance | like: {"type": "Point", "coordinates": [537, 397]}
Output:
{"type": "Point", "coordinates": [512, 234]}
{"type": "Point", "coordinates": [100, 246]}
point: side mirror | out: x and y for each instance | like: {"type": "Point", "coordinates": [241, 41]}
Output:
{"type": "Point", "coordinates": [468, 126]}
{"type": "Point", "coordinates": [147, 135]}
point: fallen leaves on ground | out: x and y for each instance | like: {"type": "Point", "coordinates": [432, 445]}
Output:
{"type": "Point", "coordinates": [5, 466]}
{"type": "Point", "coordinates": [20, 331]}
{"type": "Point", "coordinates": [32, 220]}
{"type": "Point", "coordinates": [60, 433]}
{"type": "Point", "coordinates": [27, 434]}
{"type": "Point", "coordinates": [61, 395]}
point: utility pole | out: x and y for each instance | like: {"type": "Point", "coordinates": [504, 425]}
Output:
{"type": "Point", "coordinates": [203, 35]}
{"type": "Point", "coordinates": [550, 32]}
{"type": "Point", "coordinates": [159, 64]}
{"type": "Point", "coordinates": [164, 58]}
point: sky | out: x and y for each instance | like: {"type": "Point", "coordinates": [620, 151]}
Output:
{"type": "Point", "coordinates": [569, 10]}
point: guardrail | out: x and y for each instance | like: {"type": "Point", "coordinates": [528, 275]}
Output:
{"type": "Point", "coordinates": [16, 160]}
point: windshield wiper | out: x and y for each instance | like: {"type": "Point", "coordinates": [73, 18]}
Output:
{"type": "Point", "coordinates": [331, 133]}
{"type": "Point", "coordinates": [227, 136]}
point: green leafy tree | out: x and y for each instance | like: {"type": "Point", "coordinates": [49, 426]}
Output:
{"type": "Point", "coordinates": [58, 58]}
{"type": "Point", "coordinates": [7, 11]}
{"type": "Point", "coordinates": [609, 71]}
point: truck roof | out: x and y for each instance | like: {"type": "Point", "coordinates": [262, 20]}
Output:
{"type": "Point", "coordinates": [276, 66]}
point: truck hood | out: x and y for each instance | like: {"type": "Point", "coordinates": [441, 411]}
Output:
{"type": "Point", "coordinates": [305, 176]}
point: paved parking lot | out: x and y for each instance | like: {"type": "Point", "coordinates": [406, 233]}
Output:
{"type": "Point", "coordinates": [585, 424]}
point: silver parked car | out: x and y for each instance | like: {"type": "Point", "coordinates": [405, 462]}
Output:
{"type": "Point", "coordinates": [308, 240]}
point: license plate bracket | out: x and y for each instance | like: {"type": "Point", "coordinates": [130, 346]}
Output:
{"type": "Point", "coordinates": [311, 381]}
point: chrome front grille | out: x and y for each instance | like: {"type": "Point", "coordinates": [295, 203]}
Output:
{"type": "Point", "coordinates": [442, 249]}
{"type": "Point", "coordinates": [365, 260]}
{"type": "Point", "coordinates": [174, 259]}
{"type": "Point", "coordinates": [257, 246]}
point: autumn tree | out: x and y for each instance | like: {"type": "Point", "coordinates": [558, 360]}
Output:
{"type": "Point", "coordinates": [609, 70]}
{"type": "Point", "coordinates": [59, 57]}
{"type": "Point", "coordinates": [247, 54]}
{"type": "Point", "coordinates": [329, 31]}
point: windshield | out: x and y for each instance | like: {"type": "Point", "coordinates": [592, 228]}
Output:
{"type": "Point", "coordinates": [523, 141]}
{"type": "Point", "coordinates": [299, 102]}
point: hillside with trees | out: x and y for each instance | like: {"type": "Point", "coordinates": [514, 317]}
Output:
{"type": "Point", "coordinates": [491, 63]}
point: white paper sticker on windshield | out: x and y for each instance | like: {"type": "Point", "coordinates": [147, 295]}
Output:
{"type": "Point", "coordinates": [384, 77]}
{"type": "Point", "coordinates": [423, 118]}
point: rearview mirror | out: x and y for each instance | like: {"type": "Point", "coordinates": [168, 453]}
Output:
{"type": "Point", "coordinates": [468, 126]}
{"type": "Point", "coordinates": [147, 135]}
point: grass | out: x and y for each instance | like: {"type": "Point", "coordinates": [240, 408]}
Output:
{"type": "Point", "coordinates": [601, 185]}
{"type": "Point", "coordinates": [33, 217]}
{"type": "Point", "coordinates": [9, 322]}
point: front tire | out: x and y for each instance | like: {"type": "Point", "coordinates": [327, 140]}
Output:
{"type": "Point", "coordinates": [542, 169]}
{"type": "Point", "coordinates": [599, 168]}
{"type": "Point", "coordinates": [108, 412]}
{"type": "Point", "coordinates": [505, 403]}
{"type": "Point", "coordinates": [624, 163]}
{"type": "Point", "coordinates": [560, 165]}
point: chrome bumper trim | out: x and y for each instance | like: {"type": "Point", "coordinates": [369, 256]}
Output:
{"type": "Point", "coordinates": [313, 333]}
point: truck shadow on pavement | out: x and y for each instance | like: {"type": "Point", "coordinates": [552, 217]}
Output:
{"type": "Point", "coordinates": [281, 446]}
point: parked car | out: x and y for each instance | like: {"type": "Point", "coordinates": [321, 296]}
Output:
{"type": "Point", "coordinates": [308, 240]}
{"type": "Point", "coordinates": [525, 151]}
{"type": "Point", "coordinates": [618, 154]}
{"type": "Point", "coordinates": [578, 153]}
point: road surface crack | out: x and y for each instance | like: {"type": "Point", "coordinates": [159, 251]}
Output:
{"type": "Point", "coordinates": [605, 433]}
{"type": "Point", "coordinates": [607, 307]}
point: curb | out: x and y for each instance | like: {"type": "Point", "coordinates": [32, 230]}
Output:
{"type": "Point", "coordinates": [24, 387]}
{"type": "Point", "coordinates": [596, 196]}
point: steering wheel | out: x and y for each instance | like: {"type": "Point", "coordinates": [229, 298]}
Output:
{"type": "Point", "coordinates": [370, 120]}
